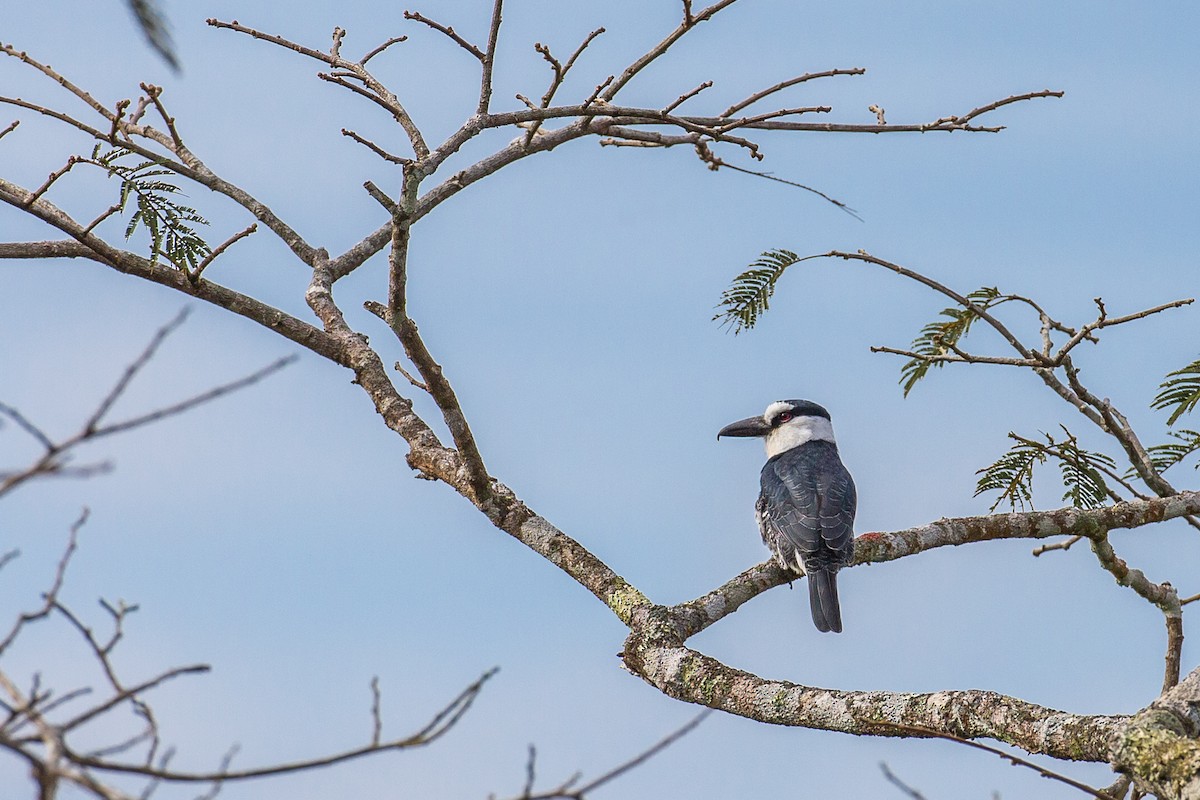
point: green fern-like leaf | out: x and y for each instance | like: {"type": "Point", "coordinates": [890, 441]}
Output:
{"type": "Point", "coordinates": [749, 296]}
{"type": "Point", "coordinates": [1165, 456]}
{"type": "Point", "coordinates": [1012, 475]}
{"type": "Point", "coordinates": [1180, 392]}
{"type": "Point", "coordinates": [1082, 472]}
{"type": "Point", "coordinates": [940, 336]}
{"type": "Point", "coordinates": [1081, 475]}
{"type": "Point", "coordinates": [168, 224]}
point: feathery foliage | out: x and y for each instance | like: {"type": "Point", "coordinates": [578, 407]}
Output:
{"type": "Point", "coordinates": [939, 337]}
{"type": "Point", "coordinates": [168, 223]}
{"type": "Point", "coordinates": [750, 293]}
{"type": "Point", "coordinates": [1012, 475]}
{"type": "Point", "coordinates": [1165, 456]}
{"type": "Point", "coordinates": [1180, 391]}
{"type": "Point", "coordinates": [1081, 471]}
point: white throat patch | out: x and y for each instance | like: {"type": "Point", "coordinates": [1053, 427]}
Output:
{"type": "Point", "coordinates": [796, 432]}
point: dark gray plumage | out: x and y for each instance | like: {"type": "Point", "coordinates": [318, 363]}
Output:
{"type": "Point", "coordinates": [806, 507]}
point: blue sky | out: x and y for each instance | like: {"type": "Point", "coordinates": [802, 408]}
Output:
{"type": "Point", "coordinates": [279, 536]}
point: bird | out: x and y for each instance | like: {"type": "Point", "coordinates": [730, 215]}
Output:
{"type": "Point", "coordinates": [806, 507]}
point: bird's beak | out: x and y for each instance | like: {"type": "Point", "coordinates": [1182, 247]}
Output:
{"type": "Point", "coordinates": [751, 426]}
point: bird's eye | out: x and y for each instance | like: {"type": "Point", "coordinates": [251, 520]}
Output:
{"type": "Point", "coordinates": [785, 416]}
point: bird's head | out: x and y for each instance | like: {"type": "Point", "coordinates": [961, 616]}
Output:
{"type": "Point", "coordinates": [784, 425]}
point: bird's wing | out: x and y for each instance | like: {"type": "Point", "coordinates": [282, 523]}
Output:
{"type": "Point", "coordinates": [810, 503]}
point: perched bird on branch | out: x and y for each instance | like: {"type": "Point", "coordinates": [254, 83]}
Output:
{"type": "Point", "coordinates": [806, 507]}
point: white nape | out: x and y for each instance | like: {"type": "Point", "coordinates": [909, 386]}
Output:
{"type": "Point", "coordinates": [796, 432]}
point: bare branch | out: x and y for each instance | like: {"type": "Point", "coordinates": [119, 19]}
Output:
{"type": "Point", "coordinates": [1017, 98]}
{"type": "Point", "coordinates": [640, 759]}
{"type": "Point", "coordinates": [875, 548]}
{"type": "Point", "coordinates": [1174, 649]}
{"type": "Point", "coordinates": [376, 149]}
{"type": "Point", "coordinates": [376, 51]}
{"type": "Point", "coordinates": [54, 176]}
{"type": "Point", "coordinates": [45, 69]}
{"type": "Point", "coordinates": [50, 598]}
{"type": "Point", "coordinates": [915, 730]}
{"type": "Point", "coordinates": [958, 358]}
{"type": "Point", "coordinates": [196, 400]}
{"type": "Point", "coordinates": [489, 59]}
{"type": "Point", "coordinates": [448, 31]}
{"type": "Point", "coordinates": [442, 722]}
{"type": "Point", "coordinates": [683, 98]}
{"type": "Point", "coordinates": [808, 76]}
{"type": "Point", "coordinates": [376, 720]}
{"type": "Point", "coordinates": [690, 21]}
{"type": "Point", "coordinates": [1102, 321]}
{"type": "Point", "coordinates": [154, 93]}
{"type": "Point", "coordinates": [195, 274]}
{"type": "Point", "coordinates": [1064, 545]}
{"type": "Point", "coordinates": [12, 127]}
{"type": "Point", "coordinates": [899, 784]}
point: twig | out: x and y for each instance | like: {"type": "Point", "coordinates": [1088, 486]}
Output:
{"type": "Point", "coordinates": [448, 31]}
{"type": "Point", "coordinates": [567, 789]}
{"type": "Point", "coordinates": [711, 158]}
{"type": "Point", "coordinates": [958, 358]}
{"type": "Point", "coordinates": [103, 216]}
{"type": "Point", "coordinates": [560, 73]}
{"type": "Point", "coordinates": [899, 784]}
{"type": "Point", "coordinates": [1015, 760]}
{"type": "Point", "coordinates": [376, 719]}
{"type": "Point", "coordinates": [197, 400]}
{"type": "Point", "coordinates": [489, 59]}
{"type": "Point", "coordinates": [376, 149]}
{"type": "Point", "coordinates": [335, 48]}
{"type": "Point", "coordinates": [1102, 321]}
{"type": "Point", "coordinates": [50, 598]}
{"type": "Point", "coordinates": [376, 51]}
{"type": "Point", "coordinates": [654, 750]}
{"type": "Point", "coordinates": [1064, 545]}
{"type": "Point", "coordinates": [155, 93]}
{"type": "Point", "coordinates": [418, 384]}
{"type": "Point", "coordinates": [195, 274]}
{"type": "Point", "coordinates": [132, 370]}
{"type": "Point", "coordinates": [1017, 98]}
{"type": "Point", "coordinates": [54, 176]}
{"type": "Point", "coordinates": [439, 725]}
{"type": "Point", "coordinates": [690, 20]}
{"type": "Point", "coordinates": [10, 128]}
{"type": "Point", "coordinates": [380, 197]}
{"type": "Point", "coordinates": [51, 460]}
{"type": "Point", "coordinates": [808, 76]}
{"type": "Point", "coordinates": [683, 98]}
{"type": "Point", "coordinates": [1174, 650]}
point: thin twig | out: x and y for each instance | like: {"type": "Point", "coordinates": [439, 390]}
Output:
{"type": "Point", "coordinates": [50, 598]}
{"type": "Point", "coordinates": [899, 784]}
{"type": "Point", "coordinates": [654, 750]}
{"type": "Point", "coordinates": [1064, 545]}
{"type": "Point", "coordinates": [195, 274]}
{"type": "Point", "coordinates": [683, 98]}
{"type": "Point", "coordinates": [376, 51]}
{"type": "Point", "coordinates": [1015, 760]}
{"type": "Point", "coordinates": [448, 31]}
{"type": "Point", "coordinates": [376, 149]}
{"type": "Point", "coordinates": [376, 719]}
{"type": "Point", "coordinates": [489, 58]}
{"type": "Point", "coordinates": [441, 723]}
{"type": "Point", "coordinates": [808, 76]}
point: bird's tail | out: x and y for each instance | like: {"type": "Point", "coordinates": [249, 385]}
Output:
{"type": "Point", "coordinates": [823, 597]}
